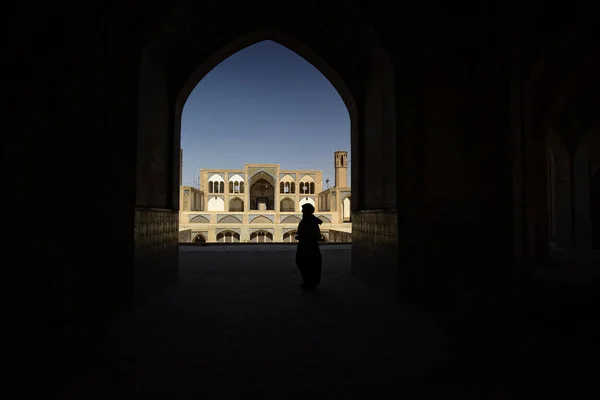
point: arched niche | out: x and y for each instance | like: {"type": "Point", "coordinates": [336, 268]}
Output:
{"type": "Point", "coordinates": [287, 204]}
{"type": "Point", "coordinates": [292, 219]}
{"type": "Point", "coordinates": [236, 204]}
{"type": "Point", "coordinates": [199, 238]}
{"type": "Point", "coordinates": [228, 237]}
{"type": "Point", "coordinates": [289, 237]}
{"type": "Point", "coordinates": [216, 204]}
{"type": "Point", "coordinates": [346, 208]}
{"type": "Point", "coordinates": [303, 200]}
{"type": "Point", "coordinates": [261, 237]}
{"type": "Point", "coordinates": [199, 219]}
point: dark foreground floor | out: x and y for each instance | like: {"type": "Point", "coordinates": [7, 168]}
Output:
{"type": "Point", "coordinates": [237, 324]}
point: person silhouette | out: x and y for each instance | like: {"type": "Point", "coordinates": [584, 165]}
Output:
{"type": "Point", "coordinates": [308, 254]}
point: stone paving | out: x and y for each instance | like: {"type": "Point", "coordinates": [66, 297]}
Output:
{"type": "Point", "coordinates": [236, 324]}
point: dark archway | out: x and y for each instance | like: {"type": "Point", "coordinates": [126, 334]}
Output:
{"type": "Point", "coordinates": [262, 194]}
{"type": "Point", "coordinates": [261, 237]}
{"type": "Point", "coordinates": [290, 237]}
{"type": "Point", "coordinates": [199, 238]}
{"type": "Point", "coordinates": [185, 49]}
{"type": "Point", "coordinates": [595, 210]}
{"type": "Point", "coordinates": [228, 237]}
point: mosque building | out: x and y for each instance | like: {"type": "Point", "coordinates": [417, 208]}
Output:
{"type": "Point", "coordinates": [262, 203]}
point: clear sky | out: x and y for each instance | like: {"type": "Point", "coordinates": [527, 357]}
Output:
{"type": "Point", "coordinates": [264, 104]}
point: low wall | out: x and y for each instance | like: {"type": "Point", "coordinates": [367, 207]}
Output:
{"type": "Point", "coordinates": [185, 236]}
{"type": "Point", "coordinates": [340, 236]}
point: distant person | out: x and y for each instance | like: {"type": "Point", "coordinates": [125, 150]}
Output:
{"type": "Point", "coordinates": [308, 254]}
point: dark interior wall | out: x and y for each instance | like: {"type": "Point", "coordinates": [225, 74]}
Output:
{"type": "Point", "coordinates": [595, 205]}
{"type": "Point", "coordinates": [73, 135]}
{"type": "Point", "coordinates": [76, 136]}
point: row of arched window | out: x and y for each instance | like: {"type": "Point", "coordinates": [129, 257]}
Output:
{"type": "Point", "coordinates": [216, 187]}
{"type": "Point", "coordinates": [290, 187]}
{"type": "Point", "coordinates": [287, 187]}
{"type": "Point", "coordinates": [236, 187]}
{"type": "Point", "coordinates": [219, 187]}
{"type": "Point", "coordinates": [307, 187]}
{"type": "Point", "coordinates": [260, 236]}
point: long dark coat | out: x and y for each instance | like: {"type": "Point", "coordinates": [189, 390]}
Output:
{"type": "Point", "coordinates": [308, 254]}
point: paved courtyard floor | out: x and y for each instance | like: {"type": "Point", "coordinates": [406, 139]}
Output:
{"type": "Point", "coordinates": [237, 325]}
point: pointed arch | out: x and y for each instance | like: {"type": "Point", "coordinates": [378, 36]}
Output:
{"type": "Point", "coordinates": [228, 237]}
{"type": "Point", "coordinates": [290, 236]}
{"type": "Point", "coordinates": [261, 237]}
{"type": "Point", "coordinates": [236, 204]}
{"type": "Point", "coordinates": [261, 220]}
{"type": "Point", "coordinates": [287, 204]}
{"type": "Point", "coordinates": [292, 219]}
{"type": "Point", "coordinates": [199, 219]}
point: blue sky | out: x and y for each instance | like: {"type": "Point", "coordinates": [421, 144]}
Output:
{"type": "Point", "coordinates": [264, 104]}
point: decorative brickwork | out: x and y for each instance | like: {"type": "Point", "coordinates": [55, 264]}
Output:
{"type": "Point", "coordinates": [269, 230]}
{"type": "Point", "coordinates": [212, 174]}
{"type": "Point", "coordinates": [156, 231]}
{"type": "Point", "coordinates": [199, 218]}
{"type": "Point", "coordinates": [238, 217]}
{"type": "Point", "coordinates": [185, 236]}
{"type": "Point", "coordinates": [203, 233]}
{"type": "Point", "coordinates": [156, 252]}
{"type": "Point", "coordinates": [268, 170]}
{"type": "Point", "coordinates": [251, 217]}
{"type": "Point", "coordinates": [375, 248]}
{"type": "Point", "coordinates": [219, 230]}
{"type": "Point", "coordinates": [339, 236]}
{"type": "Point", "coordinates": [231, 174]}
{"type": "Point", "coordinates": [285, 216]}
{"type": "Point", "coordinates": [324, 217]}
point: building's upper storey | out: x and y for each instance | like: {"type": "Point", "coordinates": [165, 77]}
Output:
{"type": "Point", "coordinates": [220, 181]}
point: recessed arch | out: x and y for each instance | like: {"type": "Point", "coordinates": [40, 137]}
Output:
{"type": "Point", "coordinates": [236, 204]}
{"type": "Point", "coordinates": [236, 177]}
{"type": "Point", "coordinates": [304, 200]}
{"type": "Point", "coordinates": [228, 237]}
{"type": "Point", "coordinates": [324, 218]}
{"type": "Point", "coordinates": [216, 204]}
{"type": "Point", "coordinates": [347, 208]}
{"type": "Point", "coordinates": [289, 236]}
{"type": "Point", "coordinates": [199, 238]}
{"type": "Point", "coordinates": [261, 237]}
{"type": "Point", "coordinates": [199, 219]}
{"type": "Point", "coordinates": [287, 204]}
{"type": "Point", "coordinates": [261, 220]}
{"type": "Point", "coordinates": [292, 219]}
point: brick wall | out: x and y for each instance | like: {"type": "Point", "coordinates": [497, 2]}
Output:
{"type": "Point", "coordinates": [185, 236]}
{"type": "Point", "coordinates": [375, 248]}
{"type": "Point", "coordinates": [340, 236]}
{"type": "Point", "coordinates": [156, 249]}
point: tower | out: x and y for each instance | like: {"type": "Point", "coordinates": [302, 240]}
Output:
{"type": "Point", "coordinates": [341, 168]}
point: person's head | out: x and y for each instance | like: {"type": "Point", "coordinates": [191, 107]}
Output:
{"type": "Point", "coordinates": [307, 209]}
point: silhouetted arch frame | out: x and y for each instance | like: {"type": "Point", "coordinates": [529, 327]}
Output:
{"type": "Point", "coordinates": [343, 47]}
{"type": "Point", "coordinates": [291, 44]}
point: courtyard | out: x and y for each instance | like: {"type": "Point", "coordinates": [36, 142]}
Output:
{"type": "Point", "coordinates": [237, 324]}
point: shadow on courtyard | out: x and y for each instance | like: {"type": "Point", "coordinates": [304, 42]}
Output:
{"type": "Point", "coordinates": [237, 324]}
